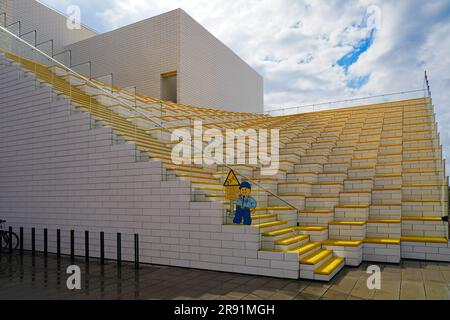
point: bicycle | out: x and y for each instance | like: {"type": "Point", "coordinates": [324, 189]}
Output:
{"type": "Point", "coordinates": [5, 236]}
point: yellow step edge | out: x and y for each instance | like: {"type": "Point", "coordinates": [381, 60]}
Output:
{"type": "Point", "coordinates": [269, 224]}
{"type": "Point", "coordinates": [352, 206]}
{"type": "Point", "coordinates": [278, 232]}
{"type": "Point", "coordinates": [347, 223]}
{"type": "Point", "coordinates": [312, 228]}
{"type": "Point", "coordinates": [328, 267]}
{"type": "Point", "coordinates": [321, 197]}
{"type": "Point", "coordinates": [410, 218]}
{"type": "Point", "coordinates": [384, 221]}
{"type": "Point", "coordinates": [317, 211]}
{"type": "Point", "coordinates": [263, 216]}
{"type": "Point", "coordinates": [316, 257]}
{"type": "Point", "coordinates": [424, 239]}
{"type": "Point", "coordinates": [291, 194]}
{"type": "Point", "coordinates": [292, 239]}
{"type": "Point", "coordinates": [381, 240]}
{"type": "Point", "coordinates": [295, 182]}
{"type": "Point", "coordinates": [356, 191]}
{"type": "Point", "coordinates": [343, 243]}
{"type": "Point", "coordinates": [386, 205]}
{"type": "Point", "coordinates": [424, 200]}
{"type": "Point", "coordinates": [423, 185]}
{"type": "Point", "coordinates": [387, 189]}
{"type": "Point", "coordinates": [305, 248]}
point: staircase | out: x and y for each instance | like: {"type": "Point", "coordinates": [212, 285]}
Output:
{"type": "Point", "coordinates": [354, 184]}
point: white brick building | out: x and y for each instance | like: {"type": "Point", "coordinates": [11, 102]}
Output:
{"type": "Point", "coordinates": [169, 56]}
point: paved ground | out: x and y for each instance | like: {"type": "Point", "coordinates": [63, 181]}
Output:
{"type": "Point", "coordinates": [39, 278]}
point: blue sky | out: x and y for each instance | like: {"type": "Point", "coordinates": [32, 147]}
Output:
{"type": "Point", "coordinates": [311, 51]}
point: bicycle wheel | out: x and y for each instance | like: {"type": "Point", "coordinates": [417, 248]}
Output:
{"type": "Point", "coordinates": [5, 242]}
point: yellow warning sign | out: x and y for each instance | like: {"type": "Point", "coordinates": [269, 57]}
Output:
{"type": "Point", "coordinates": [231, 180]}
{"type": "Point", "coordinates": [231, 185]}
{"type": "Point", "coordinates": [231, 193]}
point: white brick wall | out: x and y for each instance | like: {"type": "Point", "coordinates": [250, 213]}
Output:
{"type": "Point", "coordinates": [48, 23]}
{"type": "Point", "coordinates": [58, 172]}
{"type": "Point", "coordinates": [209, 73]}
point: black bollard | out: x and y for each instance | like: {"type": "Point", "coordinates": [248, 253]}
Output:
{"type": "Point", "coordinates": [72, 245]}
{"type": "Point", "coordinates": [45, 242]}
{"type": "Point", "coordinates": [21, 240]}
{"type": "Point", "coordinates": [119, 249]}
{"type": "Point", "coordinates": [33, 241]}
{"type": "Point", "coordinates": [102, 248]}
{"type": "Point", "coordinates": [86, 246]}
{"type": "Point", "coordinates": [58, 244]}
{"type": "Point", "coordinates": [136, 251]}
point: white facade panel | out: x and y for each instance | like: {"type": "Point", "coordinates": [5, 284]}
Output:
{"type": "Point", "coordinates": [214, 76]}
{"type": "Point", "coordinates": [136, 54]}
{"type": "Point", "coordinates": [49, 24]}
{"type": "Point", "coordinates": [208, 73]}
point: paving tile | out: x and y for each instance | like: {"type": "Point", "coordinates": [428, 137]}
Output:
{"type": "Point", "coordinates": [437, 291]}
{"type": "Point", "coordinates": [39, 278]}
{"type": "Point", "coordinates": [412, 290]}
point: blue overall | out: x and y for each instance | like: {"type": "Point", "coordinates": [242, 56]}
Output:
{"type": "Point", "coordinates": [243, 206]}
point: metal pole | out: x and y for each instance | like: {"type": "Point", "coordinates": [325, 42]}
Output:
{"type": "Point", "coordinates": [86, 245]}
{"type": "Point", "coordinates": [119, 249]}
{"type": "Point", "coordinates": [10, 239]}
{"type": "Point", "coordinates": [136, 251]}
{"type": "Point", "coordinates": [72, 245]}
{"type": "Point", "coordinates": [45, 242]}
{"type": "Point", "coordinates": [33, 241]}
{"type": "Point", "coordinates": [58, 244]}
{"type": "Point", "coordinates": [102, 248]}
{"type": "Point", "coordinates": [21, 240]}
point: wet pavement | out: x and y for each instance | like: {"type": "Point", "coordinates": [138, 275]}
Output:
{"type": "Point", "coordinates": [28, 277]}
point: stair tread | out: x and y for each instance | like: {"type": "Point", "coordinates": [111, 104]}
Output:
{"type": "Point", "coordinates": [263, 216]}
{"type": "Point", "coordinates": [316, 257]}
{"type": "Point", "coordinates": [411, 218]}
{"type": "Point", "coordinates": [270, 224]}
{"type": "Point", "coordinates": [312, 228]}
{"type": "Point", "coordinates": [292, 239]}
{"type": "Point", "coordinates": [382, 240]}
{"type": "Point", "coordinates": [384, 221]}
{"type": "Point", "coordinates": [328, 267]}
{"type": "Point", "coordinates": [424, 239]}
{"type": "Point", "coordinates": [317, 211]}
{"type": "Point", "coordinates": [305, 248]}
{"type": "Point", "coordinates": [279, 232]}
{"type": "Point", "coordinates": [347, 223]}
{"type": "Point", "coordinates": [344, 243]}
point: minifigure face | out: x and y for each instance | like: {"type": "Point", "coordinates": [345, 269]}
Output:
{"type": "Point", "coordinates": [245, 192]}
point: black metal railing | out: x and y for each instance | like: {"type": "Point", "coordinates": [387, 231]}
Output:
{"type": "Point", "coordinates": [72, 246]}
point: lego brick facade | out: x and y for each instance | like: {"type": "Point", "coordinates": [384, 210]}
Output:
{"type": "Point", "coordinates": [60, 171]}
{"type": "Point", "coordinates": [49, 24]}
{"type": "Point", "coordinates": [209, 73]}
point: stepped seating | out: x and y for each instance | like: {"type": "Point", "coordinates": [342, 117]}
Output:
{"type": "Point", "coordinates": [353, 185]}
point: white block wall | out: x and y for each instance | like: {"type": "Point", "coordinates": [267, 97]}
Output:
{"type": "Point", "coordinates": [209, 73]}
{"type": "Point", "coordinates": [48, 23]}
{"type": "Point", "coordinates": [57, 171]}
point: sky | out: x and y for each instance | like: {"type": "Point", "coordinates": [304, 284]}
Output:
{"type": "Point", "coordinates": [312, 51]}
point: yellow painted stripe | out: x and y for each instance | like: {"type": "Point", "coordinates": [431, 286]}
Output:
{"type": "Point", "coordinates": [328, 267]}
{"type": "Point", "coordinates": [381, 240]}
{"type": "Point", "coordinates": [312, 228]}
{"type": "Point", "coordinates": [291, 240]}
{"type": "Point", "coordinates": [316, 257]}
{"type": "Point", "coordinates": [383, 221]}
{"type": "Point", "coordinates": [343, 243]}
{"type": "Point", "coordinates": [424, 239]}
{"type": "Point", "coordinates": [347, 223]}
{"type": "Point", "coordinates": [422, 218]}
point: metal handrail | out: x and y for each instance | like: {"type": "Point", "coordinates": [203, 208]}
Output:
{"type": "Point", "coordinates": [283, 110]}
{"type": "Point", "coordinates": [223, 163]}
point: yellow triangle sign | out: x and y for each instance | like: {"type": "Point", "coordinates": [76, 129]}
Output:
{"type": "Point", "coordinates": [231, 180]}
